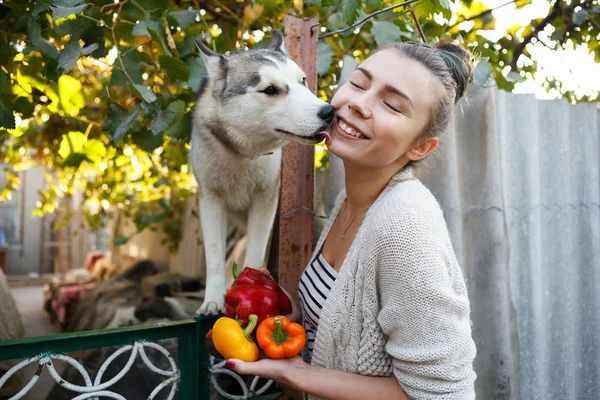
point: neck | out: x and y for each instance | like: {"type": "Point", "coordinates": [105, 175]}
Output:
{"type": "Point", "coordinates": [364, 185]}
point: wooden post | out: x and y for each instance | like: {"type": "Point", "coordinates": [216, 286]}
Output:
{"type": "Point", "coordinates": [298, 167]}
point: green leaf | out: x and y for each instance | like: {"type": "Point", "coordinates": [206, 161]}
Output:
{"type": "Point", "coordinates": [141, 28]}
{"type": "Point", "coordinates": [121, 240]}
{"type": "Point", "coordinates": [144, 57]}
{"type": "Point", "coordinates": [59, 12]}
{"type": "Point", "coordinates": [385, 32]}
{"type": "Point", "coordinates": [325, 55]}
{"type": "Point", "coordinates": [70, 93]}
{"type": "Point", "coordinates": [94, 150]}
{"type": "Point", "coordinates": [197, 73]}
{"type": "Point", "coordinates": [180, 129]}
{"type": "Point", "coordinates": [151, 219]}
{"type": "Point", "coordinates": [40, 8]}
{"type": "Point", "coordinates": [152, 29]}
{"type": "Point", "coordinates": [72, 142]}
{"type": "Point", "coordinates": [145, 93]}
{"type": "Point", "coordinates": [328, 3]}
{"type": "Point", "coordinates": [7, 54]}
{"type": "Point", "coordinates": [374, 4]}
{"type": "Point", "coordinates": [483, 73]}
{"type": "Point", "coordinates": [7, 118]}
{"type": "Point", "coordinates": [175, 68]}
{"type": "Point", "coordinates": [24, 107]}
{"type": "Point", "coordinates": [146, 140]}
{"type": "Point", "coordinates": [3, 79]}
{"type": "Point", "coordinates": [71, 53]}
{"type": "Point", "coordinates": [161, 119]}
{"type": "Point", "coordinates": [514, 77]}
{"type": "Point", "coordinates": [350, 11]}
{"type": "Point", "coordinates": [580, 17]}
{"type": "Point", "coordinates": [39, 42]}
{"type": "Point", "coordinates": [118, 121]}
{"type": "Point", "coordinates": [184, 18]}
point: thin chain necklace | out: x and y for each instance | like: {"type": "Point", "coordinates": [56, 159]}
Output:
{"type": "Point", "coordinates": [350, 224]}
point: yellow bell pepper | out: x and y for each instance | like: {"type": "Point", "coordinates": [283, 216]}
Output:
{"type": "Point", "coordinates": [231, 341]}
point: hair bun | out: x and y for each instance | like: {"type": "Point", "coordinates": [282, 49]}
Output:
{"type": "Point", "coordinates": [460, 65]}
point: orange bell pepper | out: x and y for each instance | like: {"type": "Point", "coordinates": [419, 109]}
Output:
{"type": "Point", "coordinates": [280, 338]}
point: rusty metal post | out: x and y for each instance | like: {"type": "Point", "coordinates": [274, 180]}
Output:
{"type": "Point", "coordinates": [298, 167]}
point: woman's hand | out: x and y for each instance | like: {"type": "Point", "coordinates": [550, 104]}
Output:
{"type": "Point", "coordinates": [278, 370]}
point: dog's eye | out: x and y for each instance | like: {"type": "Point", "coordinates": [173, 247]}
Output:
{"type": "Point", "coordinates": [270, 90]}
{"type": "Point", "coordinates": [304, 81]}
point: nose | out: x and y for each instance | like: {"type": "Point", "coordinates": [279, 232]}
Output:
{"type": "Point", "coordinates": [326, 113]}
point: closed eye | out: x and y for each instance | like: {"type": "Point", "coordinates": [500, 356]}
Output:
{"type": "Point", "coordinates": [355, 85]}
{"type": "Point", "coordinates": [395, 109]}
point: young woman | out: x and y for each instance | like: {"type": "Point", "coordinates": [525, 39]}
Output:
{"type": "Point", "coordinates": [384, 301]}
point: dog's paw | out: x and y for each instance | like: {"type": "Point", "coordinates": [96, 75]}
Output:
{"type": "Point", "coordinates": [210, 308]}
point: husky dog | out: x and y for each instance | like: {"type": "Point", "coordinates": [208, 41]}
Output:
{"type": "Point", "coordinates": [250, 105]}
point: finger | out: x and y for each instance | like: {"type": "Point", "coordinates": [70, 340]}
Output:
{"type": "Point", "coordinates": [264, 271]}
{"type": "Point", "coordinates": [241, 367]}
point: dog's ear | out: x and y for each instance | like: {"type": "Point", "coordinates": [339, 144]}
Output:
{"type": "Point", "coordinates": [277, 42]}
{"type": "Point", "coordinates": [214, 62]}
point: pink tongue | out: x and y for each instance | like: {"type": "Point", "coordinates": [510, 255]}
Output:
{"type": "Point", "coordinates": [327, 137]}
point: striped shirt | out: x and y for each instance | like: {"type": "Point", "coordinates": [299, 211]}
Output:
{"type": "Point", "coordinates": [315, 284]}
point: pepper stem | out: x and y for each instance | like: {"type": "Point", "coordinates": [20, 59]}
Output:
{"type": "Point", "coordinates": [252, 320]}
{"type": "Point", "coordinates": [234, 270]}
{"type": "Point", "coordinates": [279, 335]}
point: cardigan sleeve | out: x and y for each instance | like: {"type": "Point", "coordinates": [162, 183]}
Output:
{"type": "Point", "coordinates": [424, 309]}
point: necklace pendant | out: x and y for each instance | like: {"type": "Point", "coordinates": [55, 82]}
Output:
{"type": "Point", "coordinates": [342, 235]}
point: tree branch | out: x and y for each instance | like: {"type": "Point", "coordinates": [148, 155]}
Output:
{"type": "Point", "coordinates": [518, 50]}
{"type": "Point", "coordinates": [481, 14]}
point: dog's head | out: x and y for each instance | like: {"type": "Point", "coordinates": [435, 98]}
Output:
{"type": "Point", "coordinates": [262, 95]}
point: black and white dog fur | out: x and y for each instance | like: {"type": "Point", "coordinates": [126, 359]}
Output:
{"type": "Point", "coordinates": [250, 105]}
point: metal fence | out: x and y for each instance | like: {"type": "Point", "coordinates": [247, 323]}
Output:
{"type": "Point", "coordinates": [190, 377]}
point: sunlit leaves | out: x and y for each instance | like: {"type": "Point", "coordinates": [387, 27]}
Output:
{"type": "Point", "coordinates": [75, 148]}
{"type": "Point", "coordinates": [70, 94]}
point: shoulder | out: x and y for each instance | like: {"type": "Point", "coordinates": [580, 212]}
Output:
{"type": "Point", "coordinates": [406, 204]}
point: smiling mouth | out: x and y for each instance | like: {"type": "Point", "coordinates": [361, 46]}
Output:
{"type": "Point", "coordinates": [349, 130]}
{"type": "Point", "coordinates": [313, 139]}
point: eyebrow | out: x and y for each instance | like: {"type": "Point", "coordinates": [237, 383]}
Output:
{"type": "Point", "coordinates": [388, 88]}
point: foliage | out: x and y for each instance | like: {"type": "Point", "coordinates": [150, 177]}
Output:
{"type": "Point", "coordinates": [99, 92]}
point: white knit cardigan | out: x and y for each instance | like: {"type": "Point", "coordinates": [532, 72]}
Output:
{"type": "Point", "coordinates": [399, 304]}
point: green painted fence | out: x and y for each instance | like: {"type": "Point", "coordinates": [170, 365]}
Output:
{"type": "Point", "coordinates": [193, 359]}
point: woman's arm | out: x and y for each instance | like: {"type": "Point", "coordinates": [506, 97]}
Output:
{"type": "Point", "coordinates": [322, 382]}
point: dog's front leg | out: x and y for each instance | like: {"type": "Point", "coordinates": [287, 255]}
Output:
{"type": "Point", "coordinates": [213, 216]}
{"type": "Point", "coordinates": [260, 223]}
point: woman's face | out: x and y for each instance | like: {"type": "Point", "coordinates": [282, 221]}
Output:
{"type": "Point", "coordinates": [382, 110]}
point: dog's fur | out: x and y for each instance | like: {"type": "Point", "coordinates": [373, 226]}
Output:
{"type": "Point", "coordinates": [249, 106]}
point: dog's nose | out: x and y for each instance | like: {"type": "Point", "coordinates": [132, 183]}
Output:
{"type": "Point", "coordinates": [326, 113]}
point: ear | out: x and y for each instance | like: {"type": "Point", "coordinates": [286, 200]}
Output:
{"type": "Point", "coordinates": [214, 62]}
{"type": "Point", "coordinates": [422, 150]}
{"type": "Point", "coordinates": [277, 42]}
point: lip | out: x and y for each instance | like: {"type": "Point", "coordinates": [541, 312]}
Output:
{"type": "Point", "coordinates": [340, 132]}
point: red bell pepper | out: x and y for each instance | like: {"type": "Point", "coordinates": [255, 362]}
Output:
{"type": "Point", "coordinates": [253, 292]}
